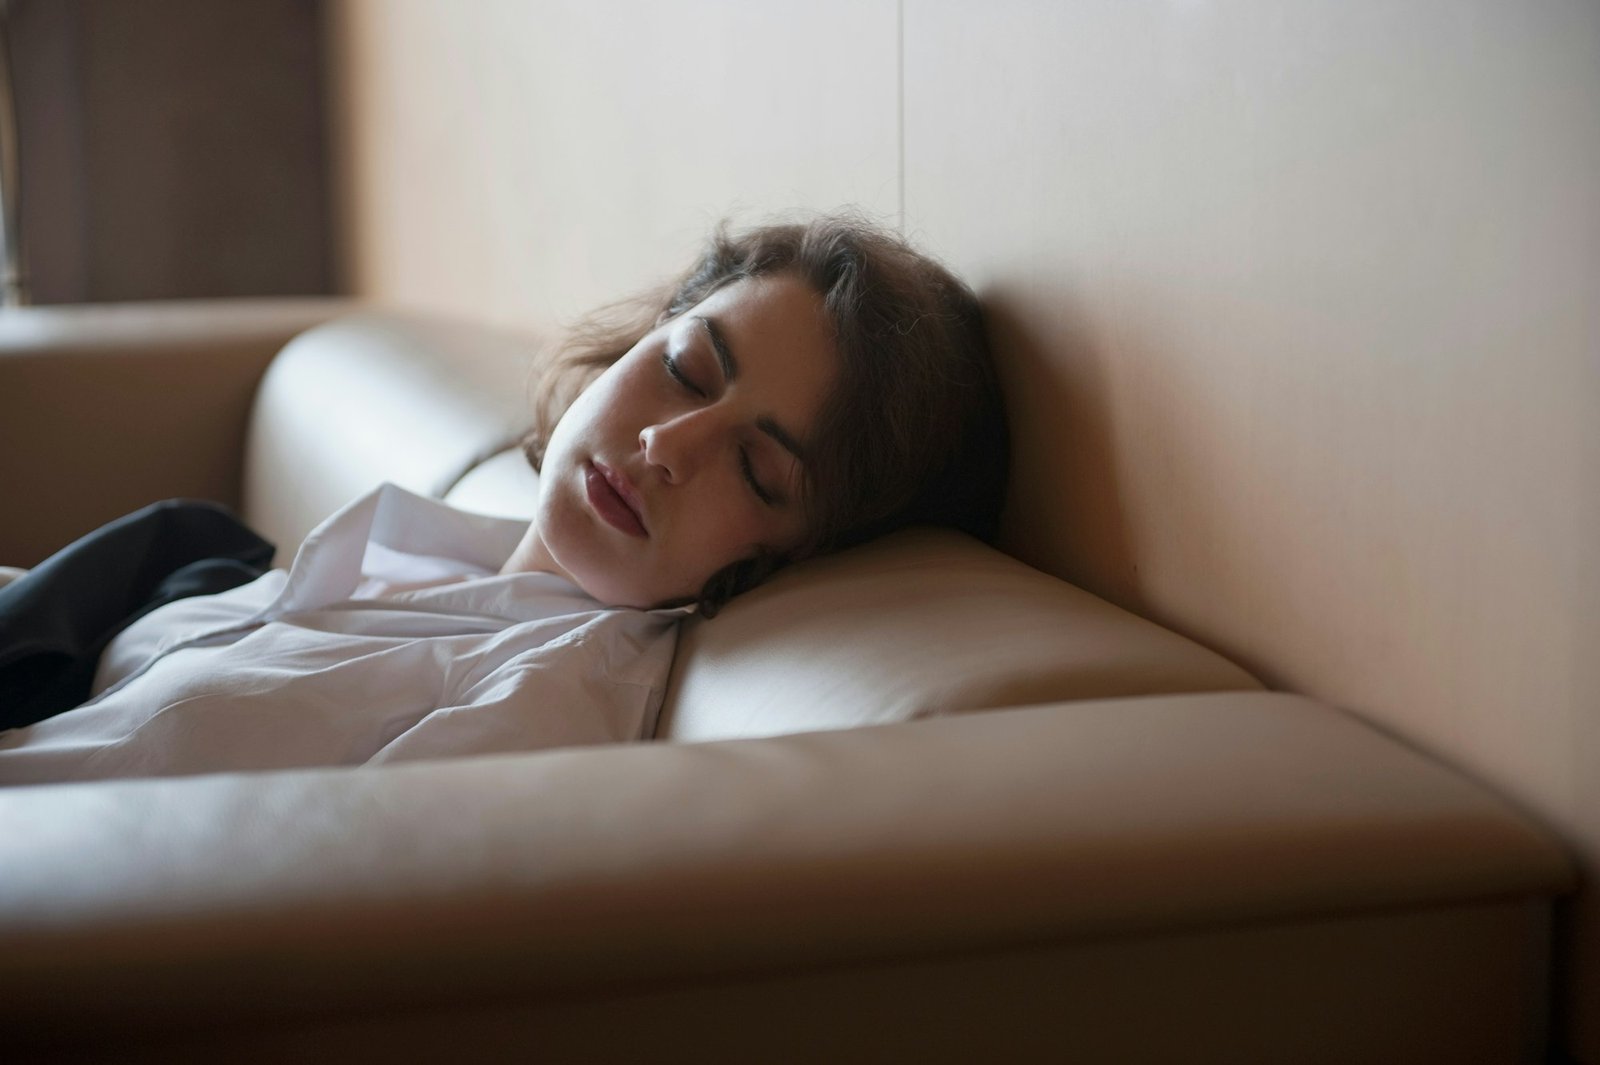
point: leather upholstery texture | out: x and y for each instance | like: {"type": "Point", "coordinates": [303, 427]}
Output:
{"type": "Point", "coordinates": [1070, 834]}
{"type": "Point", "coordinates": [377, 397]}
{"type": "Point", "coordinates": [84, 389]}
{"type": "Point", "coordinates": [921, 623]}
{"type": "Point", "coordinates": [503, 485]}
{"type": "Point", "coordinates": [285, 896]}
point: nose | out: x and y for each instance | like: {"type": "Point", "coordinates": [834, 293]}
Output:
{"type": "Point", "coordinates": [677, 446]}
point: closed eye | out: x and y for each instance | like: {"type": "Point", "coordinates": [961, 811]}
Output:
{"type": "Point", "coordinates": [745, 468]}
{"type": "Point", "coordinates": [677, 375]}
{"type": "Point", "coordinates": [750, 479]}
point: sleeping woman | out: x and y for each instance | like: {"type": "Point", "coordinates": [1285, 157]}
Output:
{"type": "Point", "coordinates": [802, 388]}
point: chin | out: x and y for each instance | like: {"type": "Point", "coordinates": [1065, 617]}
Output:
{"type": "Point", "coordinates": [635, 597]}
{"type": "Point", "coordinates": [603, 586]}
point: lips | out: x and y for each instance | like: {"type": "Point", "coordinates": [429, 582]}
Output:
{"type": "Point", "coordinates": [615, 499]}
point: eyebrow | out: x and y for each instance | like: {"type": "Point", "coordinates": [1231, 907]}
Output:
{"type": "Point", "coordinates": [730, 370]}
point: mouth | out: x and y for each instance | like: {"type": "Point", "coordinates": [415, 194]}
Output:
{"type": "Point", "coordinates": [615, 499]}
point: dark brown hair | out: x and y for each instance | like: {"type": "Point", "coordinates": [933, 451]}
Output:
{"type": "Point", "coordinates": [913, 433]}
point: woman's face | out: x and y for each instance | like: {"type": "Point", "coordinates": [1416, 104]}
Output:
{"type": "Point", "coordinates": [686, 455]}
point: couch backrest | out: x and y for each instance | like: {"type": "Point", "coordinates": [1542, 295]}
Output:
{"type": "Point", "coordinates": [376, 397]}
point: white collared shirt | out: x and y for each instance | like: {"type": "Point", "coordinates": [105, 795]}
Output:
{"type": "Point", "coordinates": [320, 666]}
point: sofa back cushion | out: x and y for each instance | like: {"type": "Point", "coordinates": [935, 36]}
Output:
{"type": "Point", "coordinates": [920, 623]}
{"type": "Point", "coordinates": [503, 485]}
{"type": "Point", "coordinates": [377, 397]}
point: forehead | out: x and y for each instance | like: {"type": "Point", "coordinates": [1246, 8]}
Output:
{"type": "Point", "coordinates": [780, 338]}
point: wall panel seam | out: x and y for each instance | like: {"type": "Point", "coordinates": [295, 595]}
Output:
{"type": "Point", "coordinates": [900, 108]}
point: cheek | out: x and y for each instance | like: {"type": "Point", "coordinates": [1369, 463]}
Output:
{"type": "Point", "coordinates": [585, 419]}
{"type": "Point", "coordinates": [720, 528]}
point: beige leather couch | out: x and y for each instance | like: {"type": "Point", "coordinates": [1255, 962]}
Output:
{"type": "Point", "coordinates": [1067, 834]}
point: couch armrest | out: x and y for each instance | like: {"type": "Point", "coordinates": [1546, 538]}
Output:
{"type": "Point", "coordinates": [259, 899]}
{"type": "Point", "coordinates": [106, 408]}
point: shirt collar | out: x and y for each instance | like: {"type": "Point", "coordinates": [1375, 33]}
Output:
{"type": "Point", "coordinates": [330, 563]}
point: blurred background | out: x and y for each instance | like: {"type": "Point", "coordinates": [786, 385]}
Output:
{"type": "Point", "coordinates": [516, 162]}
{"type": "Point", "coordinates": [170, 148]}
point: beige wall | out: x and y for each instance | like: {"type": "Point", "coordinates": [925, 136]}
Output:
{"type": "Point", "coordinates": [522, 162]}
{"type": "Point", "coordinates": [1298, 304]}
